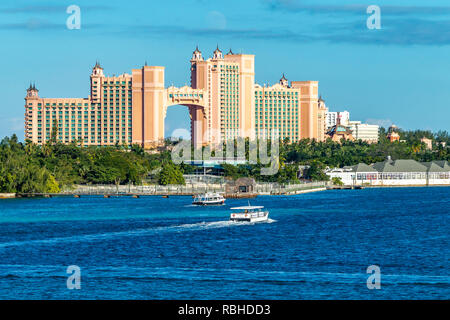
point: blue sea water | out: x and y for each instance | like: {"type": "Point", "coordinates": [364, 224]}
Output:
{"type": "Point", "coordinates": [316, 246]}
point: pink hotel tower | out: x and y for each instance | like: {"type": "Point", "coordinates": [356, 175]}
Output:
{"type": "Point", "coordinates": [223, 100]}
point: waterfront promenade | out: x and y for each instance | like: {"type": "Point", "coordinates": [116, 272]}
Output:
{"type": "Point", "coordinates": [190, 189]}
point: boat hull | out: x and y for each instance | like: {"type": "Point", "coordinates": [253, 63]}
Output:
{"type": "Point", "coordinates": [250, 217]}
{"type": "Point", "coordinates": [208, 203]}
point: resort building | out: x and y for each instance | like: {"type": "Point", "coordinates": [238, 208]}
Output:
{"type": "Point", "coordinates": [428, 143]}
{"type": "Point", "coordinates": [392, 135]}
{"type": "Point", "coordinates": [332, 118]}
{"type": "Point", "coordinates": [363, 131]}
{"type": "Point", "coordinates": [292, 110]}
{"type": "Point", "coordinates": [394, 173]}
{"type": "Point", "coordinates": [322, 120]}
{"type": "Point", "coordinates": [223, 99]}
{"type": "Point", "coordinates": [105, 118]}
{"type": "Point", "coordinates": [339, 132]}
{"type": "Point", "coordinates": [359, 131]}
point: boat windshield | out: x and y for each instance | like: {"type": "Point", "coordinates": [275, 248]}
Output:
{"type": "Point", "coordinates": [249, 209]}
{"type": "Point", "coordinates": [208, 197]}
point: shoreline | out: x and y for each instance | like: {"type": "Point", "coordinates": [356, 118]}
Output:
{"type": "Point", "coordinates": [410, 186]}
{"type": "Point", "coordinates": [172, 193]}
{"type": "Point", "coordinates": [107, 195]}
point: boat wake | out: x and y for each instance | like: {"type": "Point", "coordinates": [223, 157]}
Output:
{"type": "Point", "coordinates": [133, 233]}
{"type": "Point", "coordinates": [219, 224]}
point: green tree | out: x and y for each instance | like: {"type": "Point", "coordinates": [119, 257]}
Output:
{"type": "Point", "coordinates": [170, 174]}
{"type": "Point", "coordinates": [337, 181]}
{"type": "Point", "coordinates": [316, 171]}
{"type": "Point", "coordinates": [287, 174]}
{"type": "Point", "coordinates": [230, 171]}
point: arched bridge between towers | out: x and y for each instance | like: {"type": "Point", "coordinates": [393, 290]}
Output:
{"type": "Point", "coordinates": [195, 100]}
{"type": "Point", "coordinates": [150, 102]}
{"type": "Point", "coordinates": [185, 96]}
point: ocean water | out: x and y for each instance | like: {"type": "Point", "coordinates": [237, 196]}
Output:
{"type": "Point", "coordinates": [316, 246]}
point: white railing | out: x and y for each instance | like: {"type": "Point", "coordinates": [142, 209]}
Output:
{"type": "Point", "coordinates": [191, 188]}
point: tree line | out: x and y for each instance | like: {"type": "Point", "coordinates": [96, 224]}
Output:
{"type": "Point", "coordinates": [30, 168]}
{"type": "Point", "coordinates": [316, 156]}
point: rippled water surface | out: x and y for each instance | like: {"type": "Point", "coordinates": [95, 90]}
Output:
{"type": "Point", "coordinates": [316, 246]}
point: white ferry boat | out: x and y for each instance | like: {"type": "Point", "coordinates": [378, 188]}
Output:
{"type": "Point", "coordinates": [209, 199]}
{"type": "Point", "coordinates": [249, 214]}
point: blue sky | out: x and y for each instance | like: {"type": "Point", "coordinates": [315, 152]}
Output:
{"type": "Point", "coordinates": [399, 74]}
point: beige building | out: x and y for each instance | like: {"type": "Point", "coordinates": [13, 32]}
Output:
{"type": "Point", "coordinates": [322, 120]}
{"type": "Point", "coordinates": [333, 118]}
{"type": "Point", "coordinates": [291, 111]}
{"type": "Point", "coordinates": [365, 132]}
{"type": "Point", "coordinates": [339, 132]}
{"type": "Point", "coordinates": [105, 118]}
{"type": "Point", "coordinates": [223, 100]}
{"type": "Point", "coordinates": [392, 135]}
{"type": "Point", "coordinates": [428, 143]}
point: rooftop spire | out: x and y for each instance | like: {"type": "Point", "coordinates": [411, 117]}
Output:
{"type": "Point", "coordinates": [97, 70]}
{"type": "Point", "coordinates": [32, 91]}
{"type": "Point", "coordinates": [284, 81]}
{"type": "Point", "coordinates": [217, 50]}
{"type": "Point", "coordinates": [197, 54]}
{"type": "Point", "coordinates": [97, 65]}
{"type": "Point", "coordinates": [196, 51]}
{"type": "Point", "coordinates": [217, 53]}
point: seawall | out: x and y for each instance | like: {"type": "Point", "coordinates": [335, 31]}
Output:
{"type": "Point", "coordinates": [192, 189]}
{"type": "Point", "coordinates": [7, 195]}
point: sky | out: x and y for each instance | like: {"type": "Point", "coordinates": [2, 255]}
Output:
{"type": "Point", "coordinates": [397, 74]}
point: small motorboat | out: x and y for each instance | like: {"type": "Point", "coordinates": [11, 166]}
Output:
{"type": "Point", "coordinates": [249, 214]}
{"type": "Point", "coordinates": [209, 199]}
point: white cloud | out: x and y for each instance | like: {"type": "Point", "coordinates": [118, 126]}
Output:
{"type": "Point", "coordinates": [386, 123]}
{"type": "Point", "coordinates": [216, 20]}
